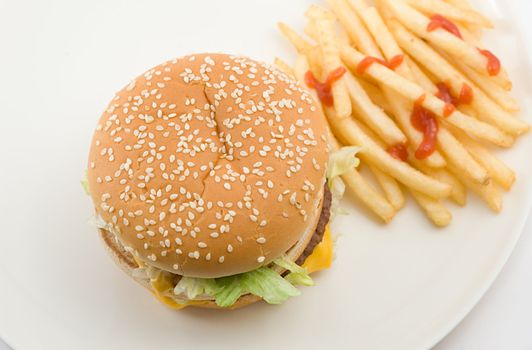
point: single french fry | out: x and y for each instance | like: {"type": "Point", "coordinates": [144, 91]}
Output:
{"type": "Point", "coordinates": [499, 171]}
{"type": "Point", "coordinates": [465, 15]}
{"type": "Point", "coordinates": [316, 12]}
{"type": "Point", "coordinates": [383, 37]}
{"type": "Point", "coordinates": [354, 27]}
{"type": "Point", "coordinates": [489, 193]}
{"type": "Point", "coordinates": [488, 110]}
{"type": "Point", "coordinates": [349, 130]}
{"type": "Point", "coordinates": [418, 23]}
{"type": "Point", "coordinates": [390, 187]}
{"type": "Point", "coordinates": [413, 92]}
{"type": "Point", "coordinates": [331, 61]}
{"type": "Point", "coordinates": [300, 44]}
{"type": "Point", "coordinates": [434, 209]}
{"type": "Point", "coordinates": [501, 96]}
{"type": "Point", "coordinates": [301, 67]}
{"type": "Point", "coordinates": [372, 115]}
{"type": "Point", "coordinates": [284, 67]}
{"type": "Point", "coordinates": [311, 31]}
{"type": "Point", "coordinates": [315, 60]}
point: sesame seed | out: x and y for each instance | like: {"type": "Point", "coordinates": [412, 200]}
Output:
{"type": "Point", "coordinates": [261, 259]}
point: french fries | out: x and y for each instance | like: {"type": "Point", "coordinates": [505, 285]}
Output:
{"type": "Point", "coordinates": [371, 114]}
{"type": "Point", "coordinates": [401, 108]}
{"type": "Point", "coordinates": [464, 15]}
{"type": "Point", "coordinates": [413, 92]}
{"type": "Point", "coordinates": [445, 72]}
{"type": "Point", "coordinates": [456, 47]}
{"type": "Point", "coordinates": [367, 195]}
{"type": "Point", "coordinates": [412, 64]}
{"type": "Point", "coordinates": [365, 192]}
{"type": "Point", "coordinates": [434, 209]}
{"type": "Point", "coordinates": [390, 187]}
{"type": "Point", "coordinates": [350, 131]}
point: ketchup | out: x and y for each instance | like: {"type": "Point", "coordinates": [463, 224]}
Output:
{"type": "Point", "coordinates": [399, 152]}
{"type": "Point", "coordinates": [425, 121]}
{"type": "Point", "coordinates": [494, 64]}
{"type": "Point", "coordinates": [324, 90]}
{"type": "Point", "coordinates": [363, 66]}
{"type": "Point", "coordinates": [448, 109]}
{"type": "Point", "coordinates": [438, 21]}
{"type": "Point", "coordinates": [466, 95]}
{"type": "Point", "coordinates": [444, 94]}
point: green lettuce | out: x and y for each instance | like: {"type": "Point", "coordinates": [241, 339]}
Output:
{"type": "Point", "coordinates": [298, 275]}
{"type": "Point", "coordinates": [340, 162]}
{"type": "Point", "coordinates": [263, 282]}
{"type": "Point", "coordinates": [85, 184]}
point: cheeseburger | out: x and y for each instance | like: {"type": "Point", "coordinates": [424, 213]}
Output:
{"type": "Point", "coordinates": [208, 175]}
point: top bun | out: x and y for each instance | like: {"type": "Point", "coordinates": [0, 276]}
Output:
{"type": "Point", "coordinates": [209, 165]}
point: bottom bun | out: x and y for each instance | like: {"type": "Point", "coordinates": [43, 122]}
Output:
{"type": "Point", "coordinates": [125, 261]}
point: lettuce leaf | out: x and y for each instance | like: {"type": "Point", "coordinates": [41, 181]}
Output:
{"type": "Point", "coordinates": [263, 282]}
{"type": "Point", "coordinates": [85, 184]}
{"type": "Point", "coordinates": [298, 275]}
{"type": "Point", "coordinates": [342, 161]}
{"type": "Point", "coordinates": [231, 288]}
{"type": "Point", "coordinates": [268, 285]}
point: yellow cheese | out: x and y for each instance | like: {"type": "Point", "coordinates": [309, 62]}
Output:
{"type": "Point", "coordinates": [171, 303]}
{"type": "Point", "coordinates": [321, 257]}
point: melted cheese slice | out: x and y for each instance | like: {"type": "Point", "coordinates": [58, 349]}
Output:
{"type": "Point", "coordinates": [321, 257]}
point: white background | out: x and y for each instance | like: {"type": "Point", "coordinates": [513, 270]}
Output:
{"type": "Point", "coordinates": [503, 318]}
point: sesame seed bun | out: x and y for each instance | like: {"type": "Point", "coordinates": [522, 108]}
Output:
{"type": "Point", "coordinates": [210, 165]}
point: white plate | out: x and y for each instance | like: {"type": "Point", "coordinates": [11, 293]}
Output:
{"type": "Point", "coordinates": [403, 286]}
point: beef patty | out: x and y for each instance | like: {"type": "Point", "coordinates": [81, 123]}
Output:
{"type": "Point", "coordinates": [317, 237]}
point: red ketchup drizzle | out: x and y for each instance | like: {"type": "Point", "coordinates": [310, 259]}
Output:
{"type": "Point", "coordinates": [444, 94]}
{"type": "Point", "coordinates": [399, 152]}
{"type": "Point", "coordinates": [494, 64]}
{"type": "Point", "coordinates": [425, 121]}
{"type": "Point", "coordinates": [363, 66]}
{"type": "Point", "coordinates": [324, 90]}
{"type": "Point", "coordinates": [438, 21]}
